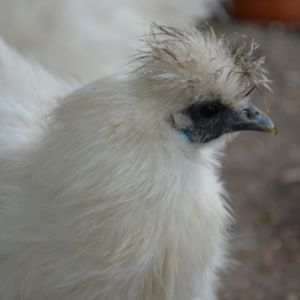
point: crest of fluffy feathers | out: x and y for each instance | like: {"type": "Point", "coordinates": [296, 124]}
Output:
{"type": "Point", "coordinates": [197, 60]}
{"type": "Point", "coordinates": [112, 203]}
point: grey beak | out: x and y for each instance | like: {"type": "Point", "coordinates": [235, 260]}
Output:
{"type": "Point", "coordinates": [251, 118]}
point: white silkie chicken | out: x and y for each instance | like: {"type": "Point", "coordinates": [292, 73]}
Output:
{"type": "Point", "coordinates": [117, 197]}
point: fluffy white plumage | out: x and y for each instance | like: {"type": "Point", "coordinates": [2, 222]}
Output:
{"type": "Point", "coordinates": [107, 200]}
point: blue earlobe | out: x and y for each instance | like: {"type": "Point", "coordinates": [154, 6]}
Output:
{"type": "Point", "coordinates": [187, 134]}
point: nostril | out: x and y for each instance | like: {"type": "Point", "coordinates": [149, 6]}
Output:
{"type": "Point", "coordinates": [251, 114]}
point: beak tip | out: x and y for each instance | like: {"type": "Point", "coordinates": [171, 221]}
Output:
{"type": "Point", "coordinates": [274, 131]}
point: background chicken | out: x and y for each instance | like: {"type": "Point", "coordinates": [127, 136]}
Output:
{"type": "Point", "coordinates": [87, 39]}
{"type": "Point", "coordinates": [118, 197]}
{"type": "Point", "coordinates": [28, 93]}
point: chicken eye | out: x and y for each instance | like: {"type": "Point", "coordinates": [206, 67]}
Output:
{"type": "Point", "coordinates": [204, 110]}
{"type": "Point", "coordinates": [209, 110]}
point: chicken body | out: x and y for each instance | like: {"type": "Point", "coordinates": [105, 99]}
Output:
{"type": "Point", "coordinates": [118, 196]}
{"type": "Point", "coordinates": [106, 209]}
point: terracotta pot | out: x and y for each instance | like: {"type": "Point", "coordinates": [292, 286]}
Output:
{"type": "Point", "coordinates": [286, 11]}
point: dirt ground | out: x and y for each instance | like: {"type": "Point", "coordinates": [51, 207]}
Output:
{"type": "Point", "coordinates": [262, 173]}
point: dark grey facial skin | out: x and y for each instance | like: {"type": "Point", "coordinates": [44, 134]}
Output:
{"type": "Point", "coordinates": [212, 119]}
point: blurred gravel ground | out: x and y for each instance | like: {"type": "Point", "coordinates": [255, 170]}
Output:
{"type": "Point", "coordinates": [262, 173]}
